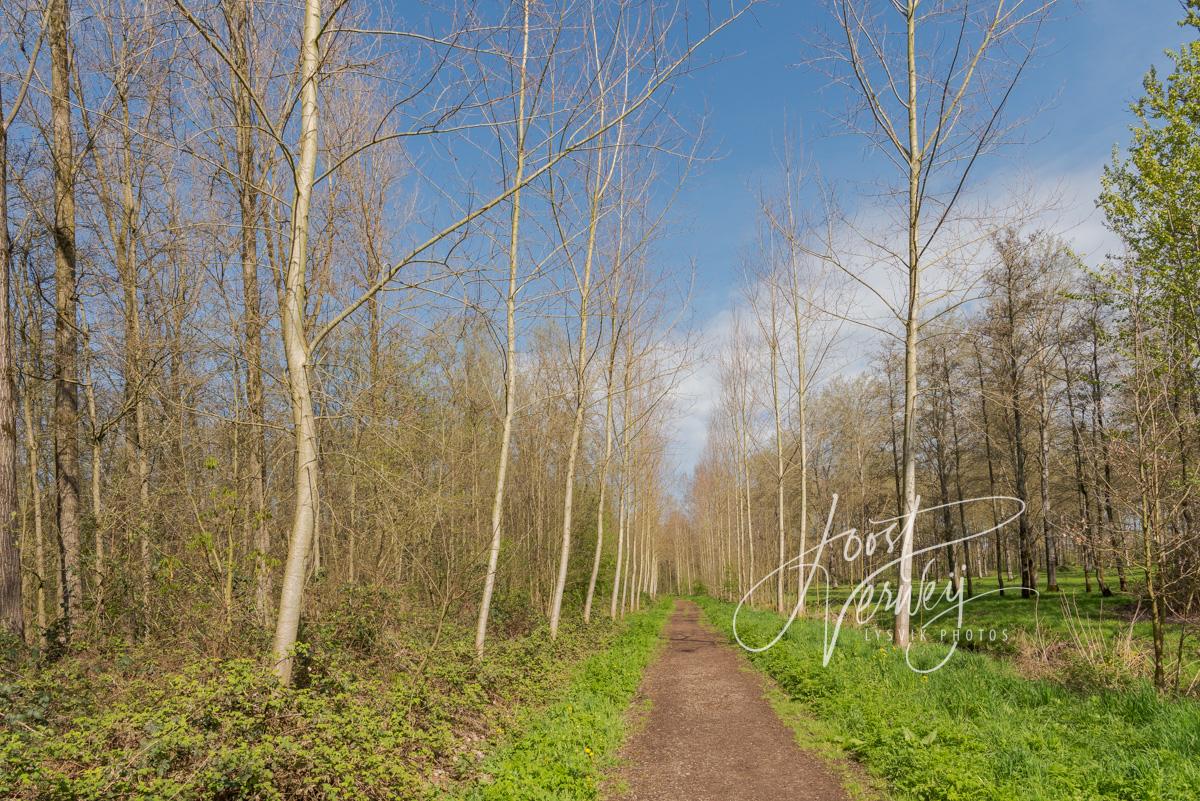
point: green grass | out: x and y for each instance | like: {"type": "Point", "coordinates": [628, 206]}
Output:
{"type": "Point", "coordinates": [560, 752]}
{"type": "Point", "coordinates": [976, 729]}
{"type": "Point", "coordinates": [1042, 620]}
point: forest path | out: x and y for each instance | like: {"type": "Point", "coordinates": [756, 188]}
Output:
{"type": "Point", "coordinates": [711, 735]}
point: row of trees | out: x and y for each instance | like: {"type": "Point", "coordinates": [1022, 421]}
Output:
{"type": "Point", "coordinates": [335, 300]}
{"type": "Point", "coordinates": [1072, 387]}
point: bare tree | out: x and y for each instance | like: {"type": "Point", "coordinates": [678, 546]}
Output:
{"type": "Point", "coordinates": [510, 328]}
{"type": "Point", "coordinates": [933, 106]}
{"type": "Point", "coordinates": [66, 341]}
{"type": "Point", "coordinates": [11, 607]}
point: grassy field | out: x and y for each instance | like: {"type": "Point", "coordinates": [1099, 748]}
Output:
{"type": "Point", "coordinates": [1111, 636]}
{"type": "Point", "coordinates": [977, 728]}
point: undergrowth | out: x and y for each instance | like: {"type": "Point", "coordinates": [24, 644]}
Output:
{"type": "Point", "coordinates": [380, 711]}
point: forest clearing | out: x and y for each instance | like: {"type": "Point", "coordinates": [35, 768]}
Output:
{"type": "Point", "coordinates": [624, 400]}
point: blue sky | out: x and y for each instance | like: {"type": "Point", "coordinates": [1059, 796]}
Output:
{"type": "Point", "coordinates": [1095, 53]}
{"type": "Point", "coordinates": [1094, 56]}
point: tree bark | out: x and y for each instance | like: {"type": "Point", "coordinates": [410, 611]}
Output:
{"type": "Point", "coordinates": [510, 352]}
{"type": "Point", "coordinates": [66, 344]}
{"type": "Point", "coordinates": [581, 356]}
{"type": "Point", "coordinates": [608, 446]}
{"type": "Point", "coordinates": [773, 345]}
{"type": "Point", "coordinates": [295, 346]}
{"type": "Point", "coordinates": [12, 613]}
{"type": "Point", "coordinates": [237, 21]}
{"type": "Point", "coordinates": [912, 324]}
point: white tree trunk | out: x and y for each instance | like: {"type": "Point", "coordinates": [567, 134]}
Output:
{"type": "Point", "coordinates": [902, 632]}
{"type": "Point", "coordinates": [295, 347]}
{"type": "Point", "coordinates": [510, 354]}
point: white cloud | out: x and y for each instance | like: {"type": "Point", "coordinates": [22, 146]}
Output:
{"type": "Point", "coordinates": [696, 396]}
{"type": "Point", "coordinates": [1063, 203]}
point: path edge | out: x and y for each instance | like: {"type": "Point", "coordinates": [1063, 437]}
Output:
{"type": "Point", "coordinates": [809, 732]}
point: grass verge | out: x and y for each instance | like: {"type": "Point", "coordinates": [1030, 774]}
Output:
{"type": "Point", "coordinates": [975, 729]}
{"type": "Point", "coordinates": [560, 752]}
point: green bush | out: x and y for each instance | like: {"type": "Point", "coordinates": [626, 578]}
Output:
{"type": "Point", "coordinates": [382, 713]}
{"type": "Point", "coordinates": [220, 730]}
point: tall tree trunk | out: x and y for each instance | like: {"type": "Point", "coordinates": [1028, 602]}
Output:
{"type": "Point", "coordinates": [95, 441]}
{"type": "Point", "coordinates": [581, 359]}
{"type": "Point", "coordinates": [623, 484]}
{"type": "Point", "coordinates": [798, 328]}
{"type": "Point", "coordinates": [1025, 553]}
{"type": "Point", "coordinates": [12, 613]}
{"type": "Point", "coordinates": [1099, 431]}
{"type": "Point", "coordinates": [137, 434]}
{"type": "Point", "coordinates": [237, 20]}
{"type": "Point", "coordinates": [295, 347]}
{"type": "Point", "coordinates": [66, 344]}
{"type": "Point", "coordinates": [510, 353]}
{"type": "Point", "coordinates": [777, 408]}
{"type": "Point", "coordinates": [618, 564]}
{"type": "Point", "coordinates": [603, 479]}
{"type": "Point", "coordinates": [942, 468]}
{"type": "Point", "coordinates": [912, 325]}
{"type": "Point", "coordinates": [1146, 432]}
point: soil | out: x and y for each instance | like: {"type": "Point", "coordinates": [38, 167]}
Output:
{"type": "Point", "coordinates": [711, 735]}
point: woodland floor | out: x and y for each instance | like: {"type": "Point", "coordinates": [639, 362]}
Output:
{"type": "Point", "coordinates": [711, 735]}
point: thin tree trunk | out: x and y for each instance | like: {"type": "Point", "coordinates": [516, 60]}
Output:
{"type": "Point", "coordinates": [510, 357]}
{"type": "Point", "coordinates": [12, 612]}
{"type": "Point", "coordinates": [958, 488]}
{"type": "Point", "coordinates": [95, 441]}
{"type": "Point", "coordinates": [902, 633]}
{"type": "Point", "coordinates": [295, 346]}
{"type": "Point", "coordinates": [35, 495]}
{"type": "Point", "coordinates": [1145, 428]}
{"type": "Point", "coordinates": [237, 21]}
{"type": "Point", "coordinates": [1044, 445]}
{"type": "Point", "coordinates": [1099, 430]}
{"type": "Point", "coordinates": [801, 397]}
{"type": "Point", "coordinates": [987, 446]}
{"type": "Point", "coordinates": [603, 479]}
{"type": "Point", "coordinates": [585, 290]}
{"type": "Point", "coordinates": [616, 588]}
{"type": "Point", "coordinates": [773, 344]}
{"type": "Point", "coordinates": [1085, 503]}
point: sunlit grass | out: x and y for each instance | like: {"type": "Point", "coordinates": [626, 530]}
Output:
{"type": "Point", "coordinates": [977, 729]}
{"type": "Point", "coordinates": [1005, 623]}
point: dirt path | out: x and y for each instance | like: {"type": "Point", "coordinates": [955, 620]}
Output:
{"type": "Point", "coordinates": [711, 735]}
